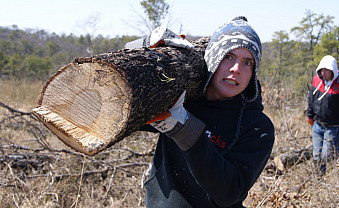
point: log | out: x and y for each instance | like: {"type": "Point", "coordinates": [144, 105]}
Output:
{"type": "Point", "coordinates": [95, 102]}
{"type": "Point", "coordinates": [293, 157]}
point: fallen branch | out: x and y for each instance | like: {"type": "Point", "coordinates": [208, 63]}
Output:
{"type": "Point", "coordinates": [293, 157]}
{"type": "Point", "coordinates": [12, 110]}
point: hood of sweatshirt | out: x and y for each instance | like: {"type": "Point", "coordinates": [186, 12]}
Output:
{"type": "Point", "coordinates": [330, 63]}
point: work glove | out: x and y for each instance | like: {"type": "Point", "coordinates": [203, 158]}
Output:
{"type": "Point", "coordinates": [160, 36]}
{"type": "Point", "coordinates": [310, 121]}
{"type": "Point", "coordinates": [166, 121]}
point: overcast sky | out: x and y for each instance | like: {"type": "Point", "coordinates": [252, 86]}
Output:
{"type": "Point", "coordinates": [196, 17]}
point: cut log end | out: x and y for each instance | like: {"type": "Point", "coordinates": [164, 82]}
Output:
{"type": "Point", "coordinates": [85, 105]}
{"type": "Point", "coordinates": [70, 134]}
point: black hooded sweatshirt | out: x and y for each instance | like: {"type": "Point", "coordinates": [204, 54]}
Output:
{"type": "Point", "coordinates": [214, 158]}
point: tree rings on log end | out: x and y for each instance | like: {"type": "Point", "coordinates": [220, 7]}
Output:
{"type": "Point", "coordinates": [85, 105]}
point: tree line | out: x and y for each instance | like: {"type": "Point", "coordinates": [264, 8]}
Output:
{"type": "Point", "coordinates": [35, 55]}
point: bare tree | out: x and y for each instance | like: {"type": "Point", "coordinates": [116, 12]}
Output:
{"type": "Point", "coordinates": [279, 41]}
{"type": "Point", "coordinates": [90, 27]}
{"type": "Point", "coordinates": [156, 13]}
{"type": "Point", "coordinates": [156, 10]}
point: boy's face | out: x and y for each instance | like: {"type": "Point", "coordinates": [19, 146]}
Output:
{"type": "Point", "coordinates": [326, 74]}
{"type": "Point", "coordinates": [232, 76]}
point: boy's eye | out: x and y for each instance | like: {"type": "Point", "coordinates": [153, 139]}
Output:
{"type": "Point", "coordinates": [248, 63]}
{"type": "Point", "coordinates": [227, 56]}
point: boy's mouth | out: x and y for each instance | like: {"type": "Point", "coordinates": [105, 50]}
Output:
{"type": "Point", "coordinates": [231, 82]}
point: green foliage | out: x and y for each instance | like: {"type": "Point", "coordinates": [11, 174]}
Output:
{"type": "Point", "coordinates": [301, 84]}
{"type": "Point", "coordinates": [12, 67]}
{"type": "Point", "coordinates": [35, 67]}
{"type": "Point", "coordinates": [51, 48]}
{"type": "Point", "coordinates": [280, 48]}
{"type": "Point", "coordinates": [329, 45]}
{"type": "Point", "coordinates": [29, 67]}
{"type": "Point", "coordinates": [35, 55]}
{"type": "Point", "coordinates": [6, 46]}
{"type": "Point", "coordinates": [313, 26]}
{"type": "Point", "coordinates": [3, 61]}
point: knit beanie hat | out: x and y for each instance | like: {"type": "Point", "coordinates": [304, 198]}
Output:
{"type": "Point", "coordinates": [235, 34]}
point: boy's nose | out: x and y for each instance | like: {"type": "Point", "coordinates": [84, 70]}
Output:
{"type": "Point", "coordinates": [235, 68]}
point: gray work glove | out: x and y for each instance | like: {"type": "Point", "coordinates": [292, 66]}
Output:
{"type": "Point", "coordinates": [160, 36]}
{"type": "Point", "coordinates": [167, 120]}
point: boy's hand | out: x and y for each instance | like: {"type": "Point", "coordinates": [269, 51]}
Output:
{"type": "Point", "coordinates": [177, 113]}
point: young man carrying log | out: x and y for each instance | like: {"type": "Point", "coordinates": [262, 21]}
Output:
{"type": "Point", "coordinates": [212, 149]}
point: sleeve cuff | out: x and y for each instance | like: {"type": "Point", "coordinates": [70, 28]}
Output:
{"type": "Point", "coordinates": [185, 135]}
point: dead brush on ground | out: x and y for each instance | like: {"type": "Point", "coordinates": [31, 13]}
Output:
{"type": "Point", "coordinates": [297, 185]}
{"type": "Point", "coordinates": [37, 170]}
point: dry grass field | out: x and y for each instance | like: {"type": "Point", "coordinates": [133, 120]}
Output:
{"type": "Point", "coordinates": [37, 170]}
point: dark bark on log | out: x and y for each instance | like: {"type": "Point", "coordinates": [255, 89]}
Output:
{"type": "Point", "coordinates": [97, 101]}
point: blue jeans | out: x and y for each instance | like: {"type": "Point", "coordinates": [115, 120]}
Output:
{"type": "Point", "coordinates": [325, 142]}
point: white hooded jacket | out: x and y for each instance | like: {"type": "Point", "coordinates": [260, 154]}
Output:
{"type": "Point", "coordinates": [330, 63]}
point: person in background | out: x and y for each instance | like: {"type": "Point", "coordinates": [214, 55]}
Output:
{"type": "Point", "coordinates": [211, 150]}
{"type": "Point", "coordinates": [323, 113]}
